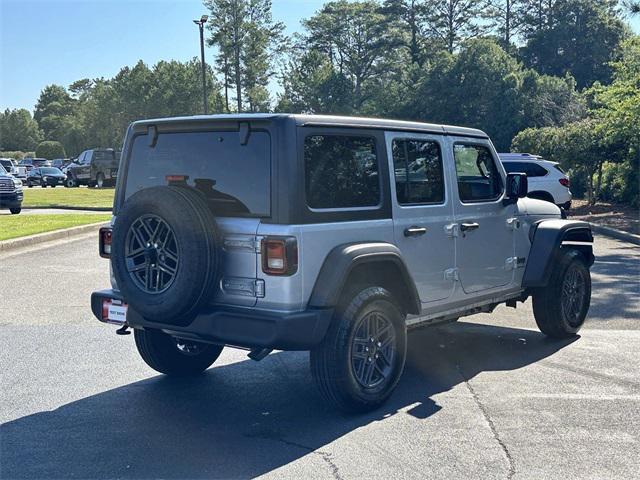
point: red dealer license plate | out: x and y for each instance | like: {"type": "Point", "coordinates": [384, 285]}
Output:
{"type": "Point", "coordinates": [114, 311]}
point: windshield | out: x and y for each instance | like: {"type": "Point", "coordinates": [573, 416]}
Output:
{"type": "Point", "coordinates": [50, 171]}
{"type": "Point", "coordinates": [235, 178]}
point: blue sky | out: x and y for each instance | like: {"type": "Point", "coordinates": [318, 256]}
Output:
{"type": "Point", "coordinates": [60, 41]}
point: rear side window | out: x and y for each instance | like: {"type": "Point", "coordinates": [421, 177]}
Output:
{"type": "Point", "coordinates": [417, 166]}
{"type": "Point", "coordinates": [478, 176]}
{"type": "Point", "coordinates": [235, 178]}
{"type": "Point", "coordinates": [531, 169]}
{"type": "Point", "coordinates": [341, 171]}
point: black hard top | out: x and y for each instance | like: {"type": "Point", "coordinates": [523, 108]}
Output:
{"type": "Point", "coordinates": [325, 121]}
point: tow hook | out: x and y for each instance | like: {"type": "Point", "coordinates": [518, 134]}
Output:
{"type": "Point", "coordinates": [258, 354]}
{"type": "Point", "coordinates": [123, 330]}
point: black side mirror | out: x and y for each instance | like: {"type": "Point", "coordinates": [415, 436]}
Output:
{"type": "Point", "coordinates": [517, 187]}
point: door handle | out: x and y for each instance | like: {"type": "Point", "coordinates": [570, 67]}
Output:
{"type": "Point", "coordinates": [414, 231]}
{"type": "Point", "coordinates": [465, 227]}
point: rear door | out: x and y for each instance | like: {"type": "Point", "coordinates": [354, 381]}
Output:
{"type": "Point", "coordinates": [422, 209]}
{"type": "Point", "coordinates": [235, 179]}
{"type": "Point", "coordinates": [485, 241]}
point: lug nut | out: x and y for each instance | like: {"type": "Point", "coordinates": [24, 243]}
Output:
{"type": "Point", "coordinates": [379, 344]}
{"type": "Point", "coordinates": [369, 359]}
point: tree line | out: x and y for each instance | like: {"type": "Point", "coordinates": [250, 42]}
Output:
{"type": "Point", "coordinates": [534, 74]}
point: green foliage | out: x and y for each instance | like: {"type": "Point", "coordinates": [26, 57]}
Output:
{"type": "Point", "coordinates": [579, 37]}
{"type": "Point", "coordinates": [18, 131]}
{"type": "Point", "coordinates": [16, 154]}
{"type": "Point", "coordinates": [248, 40]}
{"type": "Point", "coordinates": [50, 149]}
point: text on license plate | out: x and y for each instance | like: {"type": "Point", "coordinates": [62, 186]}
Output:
{"type": "Point", "coordinates": [114, 311]}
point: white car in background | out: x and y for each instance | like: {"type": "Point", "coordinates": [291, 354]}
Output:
{"type": "Point", "coordinates": [547, 180]}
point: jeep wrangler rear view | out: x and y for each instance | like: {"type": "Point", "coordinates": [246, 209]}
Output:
{"type": "Point", "coordinates": [328, 234]}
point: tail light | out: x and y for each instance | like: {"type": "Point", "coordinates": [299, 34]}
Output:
{"type": "Point", "coordinates": [564, 182]}
{"type": "Point", "coordinates": [105, 242]}
{"type": "Point", "coordinates": [279, 255]}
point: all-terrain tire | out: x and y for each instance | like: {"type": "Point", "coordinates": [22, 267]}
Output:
{"type": "Point", "coordinates": [188, 218]}
{"type": "Point", "coordinates": [334, 363]}
{"type": "Point", "coordinates": [160, 351]}
{"type": "Point", "coordinates": [561, 307]}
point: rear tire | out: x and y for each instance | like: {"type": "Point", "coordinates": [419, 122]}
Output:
{"type": "Point", "coordinates": [171, 356]}
{"type": "Point", "coordinates": [15, 211]}
{"type": "Point", "coordinates": [353, 372]}
{"type": "Point", "coordinates": [561, 307]}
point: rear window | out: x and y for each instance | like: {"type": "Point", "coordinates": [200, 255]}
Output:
{"type": "Point", "coordinates": [558, 167]}
{"type": "Point", "coordinates": [531, 169]}
{"type": "Point", "coordinates": [234, 178]}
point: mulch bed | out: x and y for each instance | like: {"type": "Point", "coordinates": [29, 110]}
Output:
{"type": "Point", "coordinates": [621, 217]}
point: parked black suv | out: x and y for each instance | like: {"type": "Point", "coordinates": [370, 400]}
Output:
{"type": "Point", "coordinates": [10, 192]}
{"type": "Point", "coordinates": [95, 168]}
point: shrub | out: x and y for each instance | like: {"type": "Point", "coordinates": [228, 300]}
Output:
{"type": "Point", "coordinates": [16, 154]}
{"type": "Point", "coordinates": [50, 149]}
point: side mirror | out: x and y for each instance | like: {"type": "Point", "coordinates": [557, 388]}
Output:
{"type": "Point", "coordinates": [517, 186]}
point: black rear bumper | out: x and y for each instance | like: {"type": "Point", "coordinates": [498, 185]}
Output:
{"type": "Point", "coordinates": [242, 327]}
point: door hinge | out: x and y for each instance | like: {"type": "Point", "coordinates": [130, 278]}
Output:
{"type": "Point", "coordinates": [452, 230]}
{"type": "Point", "coordinates": [513, 223]}
{"type": "Point", "coordinates": [452, 274]}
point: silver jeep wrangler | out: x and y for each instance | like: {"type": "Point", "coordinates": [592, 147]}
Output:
{"type": "Point", "coordinates": [328, 234]}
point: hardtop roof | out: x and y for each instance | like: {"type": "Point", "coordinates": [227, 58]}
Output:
{"type": "Point", "coordinates": [325, 120]}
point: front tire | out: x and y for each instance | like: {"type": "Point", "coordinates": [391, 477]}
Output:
{"type": "Point", "coordinates": [171, 356]}
{"type": "Point", "coordinates": [561, 307]}
{"type": "Point", "coordinates": [15, 211]}
{"type": "Point", "coordinates": [361, 358]}
{"type": "Point", "coordinates": [100, 181]}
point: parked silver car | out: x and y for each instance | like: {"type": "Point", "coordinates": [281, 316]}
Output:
{"type": "Point", "coordinates": [328, 234]}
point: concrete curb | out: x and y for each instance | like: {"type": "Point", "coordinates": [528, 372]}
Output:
{"type": "Point", "coordinates": [30, 240]}
{"type": "Point", "coordinates": [62, 207]}
{"type": "Point", "coordinates": [615, 233]}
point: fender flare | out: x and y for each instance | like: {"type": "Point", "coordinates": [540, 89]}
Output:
{"type": "Point", "coordinates": [548, 238]}
{"type": "Point", "coordinates": [341, 261]}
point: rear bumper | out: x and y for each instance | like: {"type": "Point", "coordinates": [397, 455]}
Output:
{"type": "Point", "coordinates": [11, 200]}
{"type": "Point", "coordinates": [242, 327]}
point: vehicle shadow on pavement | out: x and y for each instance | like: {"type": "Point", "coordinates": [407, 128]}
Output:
{"type": "Point", "coordinates": [244, 419]}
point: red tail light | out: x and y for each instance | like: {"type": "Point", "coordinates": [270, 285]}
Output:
{"type": "Point", "coordinates": [279, 255]}
{"type": "Point", "coordinates": [564, 182]}
{"type": "Point", "coordinates": [104, 243]}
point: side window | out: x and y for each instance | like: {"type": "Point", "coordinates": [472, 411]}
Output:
{"type": "Point", "coordinates": [478, 176]}
{"type": "Point", "coordinates": [341, 171]}
{"type": "Point", "coordinates": [531, 169]}
{"type": "Point", "coordinates": [417, 166]}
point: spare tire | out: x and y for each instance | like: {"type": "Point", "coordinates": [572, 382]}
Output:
{"type": "Point", "coordinates": [164, 253]}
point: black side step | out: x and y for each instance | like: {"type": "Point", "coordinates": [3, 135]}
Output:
{"type": "Point", "coordinates": [258, 354]}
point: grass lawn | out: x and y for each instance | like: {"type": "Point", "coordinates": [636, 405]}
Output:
{"type": "Point", "coordinates": [14, 226]}
{"type": "Point", "coordinates": [68, 197]}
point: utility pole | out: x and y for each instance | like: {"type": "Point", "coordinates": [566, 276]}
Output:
{"type": "Point", "coordinates": [200, 24]}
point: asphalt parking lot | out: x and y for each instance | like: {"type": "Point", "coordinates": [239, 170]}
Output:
{"type": "Point", "coordinates": [487, 397]}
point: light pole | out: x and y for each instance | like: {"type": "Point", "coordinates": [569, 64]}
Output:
{"type": "Point", "coordinates": [200, 24]}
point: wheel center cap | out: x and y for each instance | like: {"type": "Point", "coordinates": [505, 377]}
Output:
{"type": "Point", "coordinates": [151, 255]}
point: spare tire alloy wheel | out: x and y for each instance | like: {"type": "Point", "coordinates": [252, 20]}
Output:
{"type": "Point", "coordinates": [164, 253]}
{"type": "Point", "coordinates": [151, 253]}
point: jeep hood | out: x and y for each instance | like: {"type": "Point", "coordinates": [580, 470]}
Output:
{"type": "Point", "coordinates": [531, 206]}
